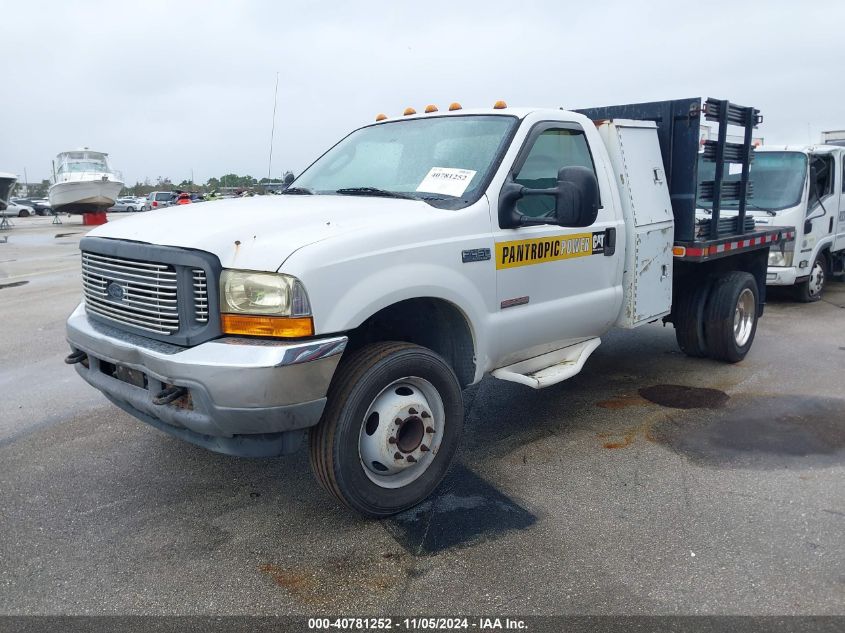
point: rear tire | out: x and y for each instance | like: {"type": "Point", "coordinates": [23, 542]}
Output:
{"type": "Point", "coordinates": [390, 429]}
{"type": "Point", "coordinates": [130, 209]}
{"type": "Point", "coordinates": [23, 213]}
{"type": "Point", "coordinates": [730, 316]}
{"type": "Point", "coordinates": [689, 320]}
{"type": "Point", "coordinates": [811, 289]}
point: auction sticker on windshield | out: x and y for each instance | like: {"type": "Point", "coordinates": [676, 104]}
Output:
{"type": "Point", "coordinates": [447, 181]}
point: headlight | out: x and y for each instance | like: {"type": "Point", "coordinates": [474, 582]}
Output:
{"type": "Point", "coordinates": [270, 294]}
{"type": "Point", "coordinates": [781, 254]}
{"type": "Point", "coordinates": [264, 304]}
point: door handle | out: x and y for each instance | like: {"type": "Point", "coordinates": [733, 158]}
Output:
{"type": "Point", "coordinates": [609, 242]}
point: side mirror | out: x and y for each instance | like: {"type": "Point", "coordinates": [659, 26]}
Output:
{"type": "Point", "coordinates": [577, 197]}
{"type": "Point", "coordinates": [289, 178]}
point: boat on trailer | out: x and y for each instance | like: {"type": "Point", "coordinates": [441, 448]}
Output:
{"type": "Point", "coordinates": [83, 182]}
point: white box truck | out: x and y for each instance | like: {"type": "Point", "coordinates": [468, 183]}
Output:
{"type": "Point", "coordinates": [413, 258]}
{"type": "Point", "coordinates": [803, 188]}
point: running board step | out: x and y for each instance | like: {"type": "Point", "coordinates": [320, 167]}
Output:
{"type": "Point", "coordinates": [552, 368]}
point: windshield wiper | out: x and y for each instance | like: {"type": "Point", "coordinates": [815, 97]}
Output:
{"type": "Point", "coordinates": [372, 191]}
{"type": "Point", "coordinates": [298, 191]}
{"type": "Point", "coordinates": [754, 206]}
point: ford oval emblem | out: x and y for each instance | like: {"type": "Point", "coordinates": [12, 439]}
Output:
{"type": "Point", "coordinates": [115, 291]}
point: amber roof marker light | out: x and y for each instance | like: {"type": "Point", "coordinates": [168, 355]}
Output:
{"type": "Point", "coordinates": [500, 105]}
{"type": "Point", "coordinates": [454, 106]}
{"type": "Point", "coordinates": [409, 111]}
{"type": "Point", "coordinates": [381, 117]}
{"type": "Point", "coordinates": [430, 108]}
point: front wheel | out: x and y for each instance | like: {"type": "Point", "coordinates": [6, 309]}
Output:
{"type": "Point", "coordinates": [730, 321]}
{"type": "Point", "coordinates": [23, 213]}
{"type": "Point", "coordinates": [130, 209]}
{"type": "Point", "coordinates": [390, 429]}
{"type": "Point", "coordinates": [811, 288]}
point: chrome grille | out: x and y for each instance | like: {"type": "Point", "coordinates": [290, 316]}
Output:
{"type": "Point", "coordinates": [146, 298]}
{"type": "Point", "coordinates": [200, 295]}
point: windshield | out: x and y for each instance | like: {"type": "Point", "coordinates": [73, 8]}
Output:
{"type": "Point", "coordinates": [83, 161]}
{"type": "Point", "coordinates": [437, 159]}
{"type": "Point", "coordinates": [778, 179]}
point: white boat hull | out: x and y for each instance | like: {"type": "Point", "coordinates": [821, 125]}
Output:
{"type": "Point", "coordinates": [83, 196]}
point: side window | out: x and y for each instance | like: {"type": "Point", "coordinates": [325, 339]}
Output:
{"type": "Point", "coordinates": [843, 176]}
{"type": "Point", "coordinates": [824, 174]}
{"type": "Point", "coordinates": [552, 150]}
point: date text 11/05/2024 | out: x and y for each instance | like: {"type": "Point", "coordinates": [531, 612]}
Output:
{"type": "Point", "coordinates": [481, 624]}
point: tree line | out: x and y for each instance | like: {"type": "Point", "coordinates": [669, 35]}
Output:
{"type": "Point", "coordinates": [40, 189]}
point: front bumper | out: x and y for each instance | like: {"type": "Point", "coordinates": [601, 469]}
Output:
{"type": "Point", "coordinates": [784, 276]}
{"type": "Point", "coordinates": [245, 396]}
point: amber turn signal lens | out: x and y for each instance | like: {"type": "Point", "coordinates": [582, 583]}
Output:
{"type": "Point", "coordinates": [409, 111]}
{"type": "Point", "coordinates": [280, 327]}
{"type": "Point", "coordinates": [454, 106]}
{"type": "Point", "coordinates": [381, 117]}
{"type": "Point", "coordinates": [500, 105]}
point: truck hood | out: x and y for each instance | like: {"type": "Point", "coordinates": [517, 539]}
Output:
{"type": "Point", "coordinates": [260, 233]}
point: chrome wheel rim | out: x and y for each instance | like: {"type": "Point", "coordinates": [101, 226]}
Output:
{"type": "Point", "coordinates": [401, 432]}
{"type": "Point", "coordinates": [744, 317]}
{"type": "Point", "coordinates": [816, 281]}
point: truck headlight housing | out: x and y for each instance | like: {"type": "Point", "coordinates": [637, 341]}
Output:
{"type": "Point", "coordinates": [780, 256]}
{"type": "Point", "coordinates": [264, 304]}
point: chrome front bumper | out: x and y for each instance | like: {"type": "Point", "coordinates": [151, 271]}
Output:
{"type": "Point", "coordinates": [245, 396]}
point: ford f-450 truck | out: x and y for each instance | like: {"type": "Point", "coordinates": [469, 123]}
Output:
{"type": "Point", "coordinates": [411, 259]}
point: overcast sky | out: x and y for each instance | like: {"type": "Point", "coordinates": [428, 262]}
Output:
{"type": "Point", "coordinates": [170, 87]}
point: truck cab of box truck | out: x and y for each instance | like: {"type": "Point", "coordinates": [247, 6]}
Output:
{"type": "Point", "coordinates": [411, 259]}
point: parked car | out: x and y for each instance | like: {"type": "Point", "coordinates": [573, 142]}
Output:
{"type": "Point", "coordinates": [129, 204]}
{"type": "Point", "coordinates": [39, 206]}
{"type": "Point", "coordinates": [15, 208]}
{"type": "Point", "coordinates": [158, 199]}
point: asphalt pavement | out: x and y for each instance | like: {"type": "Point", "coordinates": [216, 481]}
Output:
{"type": "Point", "coordinates": [651, 483]}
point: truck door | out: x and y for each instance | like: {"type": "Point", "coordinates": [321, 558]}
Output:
{"type": "Point", "coordinates": [839, 240]}
{"type": "Point", "coordinates": [822, 206]}
{"type": "Point", "coordinates": [555, 285]}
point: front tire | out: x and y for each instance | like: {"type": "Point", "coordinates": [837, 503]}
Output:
{"type": "Point", "coordinates": [23, 213]}
{"type": "Point", "coordinates": [730, 321]}
{"type": "Point", "coordinates": [390, 429]}
{"type": "Point", "coordinates": [811, 289]}
{"type": "Point", "coordinates": [130, 209]}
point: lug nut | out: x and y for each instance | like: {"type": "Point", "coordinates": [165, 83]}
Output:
{"type": "Point", "coordinates": [412, 411]}
{"type": "Point", "coordinates": [397, 455]}
{"type": "Point", "coordinates": [411, 458]}
{"type": "Point", "coordinates": [398, 421]}
{"type": "Point", "coordinates": [391, 440]}
{"type": "Point", "coordinates": [425, 415]}
{"type": "Point", "coordinates": [429, 429]}
{"type": "Point", "coordinates": [424, 448]}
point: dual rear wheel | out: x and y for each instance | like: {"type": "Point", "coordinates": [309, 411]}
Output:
{"type": "Point", "coordinates": [718, 318]}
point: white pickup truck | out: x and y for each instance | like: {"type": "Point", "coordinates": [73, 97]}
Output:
{"type": "Point", "coordinates": [411, 259]}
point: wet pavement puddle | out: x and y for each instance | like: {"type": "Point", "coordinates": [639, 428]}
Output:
{"type": "Point", "coordinates": [771, 431]}
{"type": "Point", "coordinates": [683, 397]}
{"type": "Point", "coordinates": [464, 510]}
{"type": "Point", "coordinates": [13, 284]}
